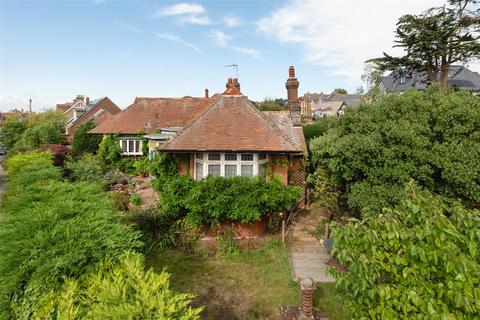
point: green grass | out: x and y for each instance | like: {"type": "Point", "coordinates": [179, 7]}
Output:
{"type": "Point", "coordinates": [251, 285]}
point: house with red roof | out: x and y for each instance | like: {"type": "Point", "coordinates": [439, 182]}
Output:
{"type": "Point", "coordinates": [223, 135]}
{"type": "Point", "coordinates": [82, 109]}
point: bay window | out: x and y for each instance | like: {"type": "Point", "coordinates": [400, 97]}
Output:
{"type": "Point", "coordinates": [230, 165]}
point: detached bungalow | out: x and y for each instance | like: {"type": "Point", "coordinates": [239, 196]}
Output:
{"type": "Point", "coordinates": [223, 135]}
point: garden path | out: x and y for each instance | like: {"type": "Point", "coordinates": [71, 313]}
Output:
{"type": "Point", "coordinates": [308, 256]}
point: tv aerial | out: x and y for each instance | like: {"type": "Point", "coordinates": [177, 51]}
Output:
{"type": "Point", "coordinates": [234, 67]}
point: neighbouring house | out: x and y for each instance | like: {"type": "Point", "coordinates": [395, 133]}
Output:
{"type": "Point", "coordinates": [223, 135]}
{"type": "Point", "coordinates": [315, 105]}
{"type": "Point", "coordinates": [13, 113]}
{"type": "Point", "coordinates": [81, 110]}
{"type": "Point", "coordinates": [328, 109]}
{"type": "Point", "coordinates": [459, 77]}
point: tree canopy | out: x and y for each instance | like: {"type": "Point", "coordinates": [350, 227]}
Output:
{"type": "Point", "coordinates": [436, 39]}
{"type": "Point", "coordinates": [432, 137]}
{"type": "Point", "coordinates": [83, 141]}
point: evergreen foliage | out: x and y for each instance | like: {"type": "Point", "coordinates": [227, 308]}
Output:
{"type": "Point", "coordinates": [419, 260]}
{"type": "Point", "coordinates": [87, 168]}
{"type": "Point", "coordinates": [51, 230]}
{"type": "Point", "coordinates": [119, 291]}
{"type": "Point", "coordinates": [83, 142]}
{"type": "Point", "coordinates": [431, 137]}
{"type": "Point", "coordinates": [436, 39]}
{"type": "Point", "coordinates": [12, 131]}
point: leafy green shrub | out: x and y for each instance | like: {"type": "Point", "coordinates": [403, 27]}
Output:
{"type": "Point", "coordinates": [120, 200]}
{"type": "Point", "coordinates": [158, 228]}
{"type": "Point", "coordinates": [126, 165]}
{"type": "Point", "coordinates": [52, 229]}
{"type": "Point", "coordinates": [109, 150]}
{"type": "Point", "coordinates": [23, 161]}
{"type": "Point", "coordinates": [432, 137]}
{"type": "Point", "coordinates": [419, 260]}
{"type": "Point", "coordinates": [214, 199]}
{"type": "Point", "coordinates": [135, 199]}
{"type": "Point", "coordinates": [317, 128]}
{"type": "Point", "coordinates": [143, 166]}
{"type": "Point", "coordinates": [87, 168]}
{"type": "Point", "coordinates": [12, 131]}
{"type": "Point", "coordinates": [41, 135]}
{"type": "Point", "coordinates": [119, 291]}
{"type": "Point", "coordinates": [83, 142]}
{"type": "Point", "coordinates": [239, 198]}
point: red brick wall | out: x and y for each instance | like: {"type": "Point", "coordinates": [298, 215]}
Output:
{"type": "Point", "coordinates": [278, 167]}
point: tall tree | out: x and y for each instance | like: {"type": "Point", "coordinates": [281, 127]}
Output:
{"type": "Point", "coordinates": [436, 39]}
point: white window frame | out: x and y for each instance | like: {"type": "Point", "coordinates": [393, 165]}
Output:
{"type": "Point", "coordinates": [222, 162]}
{"type": "Point", "coordinates": [136, 151]}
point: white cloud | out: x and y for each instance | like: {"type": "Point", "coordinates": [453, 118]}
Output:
{"type": "Point", "coordinates": [177, 39]}
{"type": "Point", "coordinates": [191, 13]}
{"type": "Point", "coordinates": [220, 38]}
{"type": "Point", "coordinates": [253, 53]}
{"type": "Point", "coordinates": [192, 19]}
{"type": "Point", "coordinates": [231, 21]}
{"type": "Point", "coordinates": [340, 34]}
{"type": "Point", "coordinates": [180, 9]}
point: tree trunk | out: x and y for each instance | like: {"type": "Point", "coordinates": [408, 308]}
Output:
{"type": "Point", "coordinates": [444, 75]}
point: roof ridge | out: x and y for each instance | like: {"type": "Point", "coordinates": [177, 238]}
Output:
{"type": "Point", "coordinates": [195, 119]}
{"type": "Point", "coordinates": [251, 106]}
{"type": "Point", "coordinates": [274, 126]}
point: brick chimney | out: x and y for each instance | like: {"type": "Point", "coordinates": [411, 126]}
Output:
{"type": "Point", "coordinates": [292, 96]}
{"type": "Point", "coordinates": [206, 93]}
{"type": "Point", "coordinates": [233, 87]}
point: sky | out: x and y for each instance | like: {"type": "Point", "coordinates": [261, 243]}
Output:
{"type": "Point", "coordinates": [51, 51]}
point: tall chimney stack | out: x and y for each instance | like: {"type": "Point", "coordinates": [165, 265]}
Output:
{"type": "Point", "coordinates": [206, 93]}
{"type": "Point", "coordinates": [292, 96]}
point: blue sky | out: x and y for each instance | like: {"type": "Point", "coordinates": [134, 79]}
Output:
{"type": "Point", "coordinates": [53, 50]}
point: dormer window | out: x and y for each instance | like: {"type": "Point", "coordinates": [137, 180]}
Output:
{"type": "Point", "coordinates": [403, 80]}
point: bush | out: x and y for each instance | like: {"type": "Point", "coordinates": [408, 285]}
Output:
{"type": "Point", "coordinates": [120, 200]}
{"type": "Point", "coordinates": [41, 135]}
{"type": "Point", "coordinates": [51, 230]}
{"type": "Point", "coordinates": [59, 152]}
{"type": "Point", "coordinates": [120, 291]}
{"type": "Point", "coordinates": [158, 228]}
{"type": "Point", "coordinates": [109, 151]}
{"type": "Point", "coordinates": [12, 131]}
{"type": "Point", "coordinates": [135, 199]}
{"type": "Point", "coordinates": [431, 137]}
{"type": "Point", "coordinates": [83, 142]}
{"type": "Point", "coordinates": [87, 168]}
{"type": "Point", "coordinates": [419, 260]}
{"type": "Point", "coordinates": [23, 161]}
{"type": "Point", "coordinates": [214, 199]}
{"type": "Point", "coordinates": [317, 128]}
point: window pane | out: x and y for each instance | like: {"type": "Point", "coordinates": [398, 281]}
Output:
{"type": "Point", "coordinates": [247, 170]}
{"type": "Point", "coordinates": [230, 170]}
{"type": "Point", "coordinates": [137, 146]}
{"type": "Point", "coordinates": [262, 156]}
{"type": "Point", "coordinates": [247, 156]}
{"type": "Point", "coordinates": [230, 157]}
{"type": "Point", "coordinates": [214, 156]}
{"type": "Point", "coordinates": [199, 156]}
{"type": "Point", "coordinates": [198, 171]}
{"type": "Point", "coordinates": [130, 146]}
{"type": "Point", "coordinates": [214, 170]}
{"type": "Point", "coordinates": [262, 170]}
{"type": "Point", "coordinates": [124, 146]}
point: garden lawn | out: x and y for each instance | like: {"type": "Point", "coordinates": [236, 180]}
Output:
{"type": "Point", "coordinates": [251, 285]}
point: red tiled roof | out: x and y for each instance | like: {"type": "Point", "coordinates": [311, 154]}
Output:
{"type": "Point", "coordinates": [147, 115]}
{"type": "Point", "coordinates": [233, 123]}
